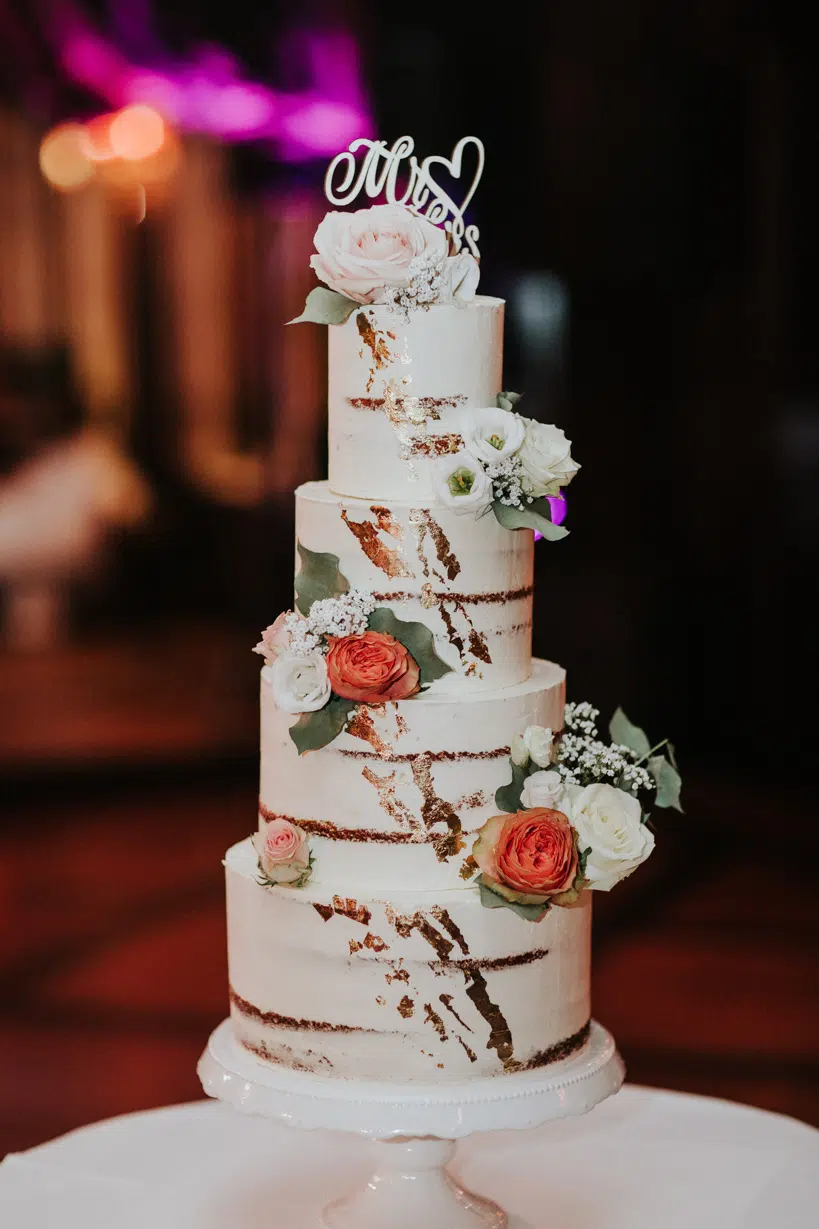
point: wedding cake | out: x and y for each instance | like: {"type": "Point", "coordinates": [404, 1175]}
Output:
{"type": "Point", "coordinates": [433, 817]}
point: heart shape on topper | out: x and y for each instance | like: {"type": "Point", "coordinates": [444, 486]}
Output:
{"type": "Point", "coordinates": [454, 165]}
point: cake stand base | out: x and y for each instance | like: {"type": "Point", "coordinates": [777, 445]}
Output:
{"type": "Point", "coordinates": [410, 1188]}
{"type": "Point", "coordinates": [413, 1125]}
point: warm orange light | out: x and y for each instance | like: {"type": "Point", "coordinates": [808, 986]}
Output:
{"type": "Point", "coordinates": [97, 136]}
{"type": "Point", "coordinates": [64, 157]}
{"type": "Point", "coordinates": [137, 132]}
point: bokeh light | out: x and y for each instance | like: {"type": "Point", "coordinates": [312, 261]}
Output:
{"type": "Point", "coordinates": [137, 132]}
{"type": "Point", "coordinates": [97, 135]}
{"type": "Point", "coordinates": [64, 158]}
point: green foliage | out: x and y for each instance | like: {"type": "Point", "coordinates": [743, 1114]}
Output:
{"type": "Point", "coordinates": [325, 306]}
{"type": "Point", "coordinates": [582, 859]}
{"type": "Point", "coordinates": [416, 638]}
{"type": "Point", "coordinates": [533, 516]}
{"type": "Point", "coordinates": [507, 401]}
{"type": "Point", "coordinates": [318, 578]}
{"type": "Point", "coordinates": [507, 797]}
{"type": "Point", "coordinates": [315, 730]}
{"type": "Point", "coordinates": [668, 782]}
{"type": "Point", "coordinates": [490, 899]}
{"type": "Point", "coordinates": [624, 732]}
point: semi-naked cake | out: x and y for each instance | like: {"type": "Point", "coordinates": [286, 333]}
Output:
{"type": "Point", "coordinates": [416, 903]}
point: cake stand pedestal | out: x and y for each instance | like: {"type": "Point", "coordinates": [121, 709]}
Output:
{"type": "Point", "coordinates": [413, 1126]}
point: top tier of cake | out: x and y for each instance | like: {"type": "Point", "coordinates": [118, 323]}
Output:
{"type": "Point", "coordinates": [395, 388]}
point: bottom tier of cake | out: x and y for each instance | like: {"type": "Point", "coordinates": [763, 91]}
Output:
{"type": "Point", "coordinates": [409, 986]}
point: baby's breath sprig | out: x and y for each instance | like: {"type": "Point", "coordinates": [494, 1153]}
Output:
{"type": "Point", "coordinates": [583, 759]}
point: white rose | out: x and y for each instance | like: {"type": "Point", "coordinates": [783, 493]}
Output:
{"type": "Point", "coordinates": [542, 789]}
{"type": "Point", "coordinates": [607, 820]}
{"type": "Point", "coordinates": [519, 752]}
{"type": "Point", "coordinates": [545, 458]}
{"type": "Point", "coordinates": [461, 483]}
{"type": "Point", "coordinates": [539, 739]}
{"type": "Point", "coordinates": [300, 684]}
{"type": "Point", "coordinates": [359, 254]}
{"type": "Point", "coordinates": [459, 278]}
{"type": "Point", "coordinates": [491, 434]}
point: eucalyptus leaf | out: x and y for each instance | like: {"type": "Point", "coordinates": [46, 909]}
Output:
{"type": "Point", "coordinates": [491, 900]}
{"type": "Point", "coordinates": [315, 730]}
{"type": "Point", "coordinates": [318, 578]}
{"type": "Point", "coordinates": [416, 638]}
{"type": "Point", "coordinates": [628, 735]}
{"type": "Point", "coordinates": [507, 401]}
{"type": "Point", "coordinates": [668, 782]}
{"type": "Point", "coordinates": [532, 516]}
{"type": "Point", "coordinates": [325, 306]}
{"type": "Point", "coordinates": [507, 797]}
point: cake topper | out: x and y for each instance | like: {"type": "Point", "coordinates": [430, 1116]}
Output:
{"type": "Point", "coordinates": [378, 173]}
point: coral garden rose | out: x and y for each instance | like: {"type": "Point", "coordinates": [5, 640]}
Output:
{"type": "Point", "coordinates": [529, 857]}
{"type": "Point", "coordinates": [361, 254]}
{"type": "Point", "coordinates": [372, 667]}
{"type": "Point", "coordinates": [284, 855]}
{"type": "Point", "coordinates": [609, 823]}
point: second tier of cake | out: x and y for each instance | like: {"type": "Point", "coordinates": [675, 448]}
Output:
{"type": "Point", "coordinates": [468, 580]}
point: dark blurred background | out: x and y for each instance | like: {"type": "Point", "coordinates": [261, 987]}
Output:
{"type": "Point", "coordinates": [648, 211]}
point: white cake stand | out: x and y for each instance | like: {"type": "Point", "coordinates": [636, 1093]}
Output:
{"type": "Point", "coordinates": [410, 1188]}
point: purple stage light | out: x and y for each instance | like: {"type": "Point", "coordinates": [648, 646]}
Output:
{"type": "Point", "coordinates": [207, 93]}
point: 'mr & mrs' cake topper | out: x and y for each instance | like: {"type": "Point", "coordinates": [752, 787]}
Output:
{"type": "Point", "coordinates": [378, 173]}
{"type": "Point", "coordinates": [412, 251]}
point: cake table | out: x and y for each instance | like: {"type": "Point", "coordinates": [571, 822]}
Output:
{"type": "Point", "coordinates": [414, 1125]}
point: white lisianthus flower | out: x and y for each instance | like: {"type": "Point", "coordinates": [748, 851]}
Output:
{"type": "Point", "coordinates": [545, 459]}
{"type": "Point", "coordinates": [300, 684]}
{"type": "Point", "coordinates": [542, 789]}
{"type": "Point", "coordinates": [459, 278]}
{"type": "Point", "coordinates": [607, 821]}
{"type": "Point", "coordinates": [461, 484]}
{"type": "Point", "coordinates": [491, 434]}
{"type": "Point", "coordinates": [539, 743]}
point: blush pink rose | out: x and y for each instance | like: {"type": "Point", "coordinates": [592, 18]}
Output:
{"type": "Point", "coordinates": [359, 254]}
{"type": "Point", "coordinates": [275, 640]}
{"type": "Point", "coordinates": [530, 856]}
{"type": "Point", "coordinates": [284, 855]}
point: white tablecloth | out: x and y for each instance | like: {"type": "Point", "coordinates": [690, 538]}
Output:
{"type": "Point", "coordinates": [642, 1160]}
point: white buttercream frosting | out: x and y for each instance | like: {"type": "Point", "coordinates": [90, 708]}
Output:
{"type": "Point", "coordinates": [395, 386]}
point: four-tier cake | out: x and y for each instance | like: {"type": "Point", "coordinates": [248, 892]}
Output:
{"type": "Point", "coordinates": [416, 902]}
